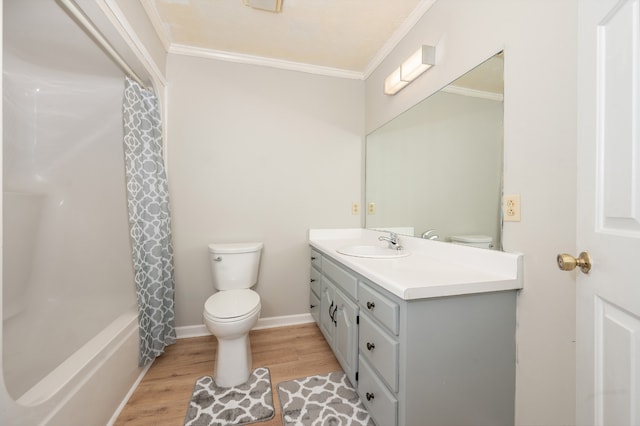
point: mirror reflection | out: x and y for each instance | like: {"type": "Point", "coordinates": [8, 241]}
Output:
{"type": "Point", "coordinates": [435, 171]}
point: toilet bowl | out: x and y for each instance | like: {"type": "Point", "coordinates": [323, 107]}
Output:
{"type": "Point", "coordinates": [229, 315]}
{"type": "Point", "coordinates": [231, 312]}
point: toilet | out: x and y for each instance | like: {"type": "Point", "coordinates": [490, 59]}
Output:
{"type": "Point", "coordinates": [231, 312]}
{"type": "Point", "coordinates": [481, 241]}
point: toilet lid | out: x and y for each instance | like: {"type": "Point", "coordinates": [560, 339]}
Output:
{"type": "Point", "coordinates": [232, 303]}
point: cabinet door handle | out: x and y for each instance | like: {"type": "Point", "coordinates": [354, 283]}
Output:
{"type": "Point", "coordinates": [370, 396]}
{"type": "Point", "coordinates": [330, 313]}
{"type": "Point", "coordinates": [312, 306]}
{"type": "Point", "coordinates": [313, 258]}
{"type": "Point", "coordinates": [312, 280]}
{"type": "Point", "coordinates": [371, 346]}
{"type": "Point", "coordinates": [370, 305]}
{"type": "Point", "coordinates": [334, 316]}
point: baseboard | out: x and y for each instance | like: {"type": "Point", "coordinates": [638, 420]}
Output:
{"type": "Point", "coordinates": [283, 321]}
{"type": "Point", "coordinates": [271, 322]}
{"type": "Point", "coordinates": [192, 331]}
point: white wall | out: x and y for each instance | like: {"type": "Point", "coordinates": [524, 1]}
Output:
{"type": "Point", "coordinates": [539, 39]}
{"type": "Point", "coordinates": [257, 153]}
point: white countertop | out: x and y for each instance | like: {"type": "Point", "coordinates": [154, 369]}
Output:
{"type": "Point", "coordinates": [432, 269]}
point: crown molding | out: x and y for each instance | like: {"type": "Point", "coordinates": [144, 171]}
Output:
{"type": "Point", "coordinates": [385, 50]}
{"type": "Point", "coordinates": [240, 58]}
{"type": "Point", "coordinates": [397, 36]}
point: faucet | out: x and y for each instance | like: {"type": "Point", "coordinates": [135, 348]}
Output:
{"type": "Point", "coordinates": [392, 239]}
{"type": "Point", "coordinates": [430, 235]}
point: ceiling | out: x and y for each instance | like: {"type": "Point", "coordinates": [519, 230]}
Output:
{"type": "Point", "coordinates": [335, 37]}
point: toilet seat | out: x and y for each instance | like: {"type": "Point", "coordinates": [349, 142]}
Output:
{"type": "Point", "coordinates": [231, 305]}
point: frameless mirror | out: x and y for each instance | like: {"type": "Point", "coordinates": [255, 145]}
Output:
{"type": "Point", "coordinates": [436, 169]}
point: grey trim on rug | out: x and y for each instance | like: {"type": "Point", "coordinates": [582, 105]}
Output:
{"type": "Point", "coordinates": [329, 398]}
{"type": "Point", "coordinates": [250, 402]}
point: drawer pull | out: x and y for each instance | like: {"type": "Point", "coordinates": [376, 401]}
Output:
{"type": "Point", "coordinates": [313, 258]}
{"type": "Point", "coordinates": [313, 280]}
{"type": "Point", "coordinates": [370, 305]}
{"type": "Point", "coordinates": [369, 396]}
{"type": "Point", "coordinates": [371, 346]}
{"type": "Point", "coordinates": [312, 306]}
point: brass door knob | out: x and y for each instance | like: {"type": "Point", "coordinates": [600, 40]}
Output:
{"type": "Point", "coordinates": [566, 262]}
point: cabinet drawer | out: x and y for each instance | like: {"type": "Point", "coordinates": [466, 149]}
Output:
{"type": "Point", "coordinates": [377, 399]}
{"type": "Point", "coordinates": [343, 279]}
{"type": "Point", "coordinates": [314, 306]}
{"type": "Point", "coordinates": [315, 280]}
{"type": "Point", "coordinates": [378, 306]}
{"type": "Point", "coordinates": [316, 259]}
{"type": "Point", "coordinates": [381, 350]}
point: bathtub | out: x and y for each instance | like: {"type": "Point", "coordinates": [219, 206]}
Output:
{"type": "Point", "coordinates": [89, 386]}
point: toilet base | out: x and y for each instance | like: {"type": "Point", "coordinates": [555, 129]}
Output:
{"type": "Point", "coordinates": [233, 361]}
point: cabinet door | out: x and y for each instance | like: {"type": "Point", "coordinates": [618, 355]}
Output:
{"type": "Point", "coordinates": [345, 344]}
{"type": "Point", "coordinates": [327, 307]}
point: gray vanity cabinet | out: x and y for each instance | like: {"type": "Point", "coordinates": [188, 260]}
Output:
{"type": "Point", "coordinates": [338, 311]}
{"type": "Point", "coordinates": [314, 293]}
{"type": "Point", "coordinates": [451, 362]}
{"type": "Point", "coordinates": [445, 361]}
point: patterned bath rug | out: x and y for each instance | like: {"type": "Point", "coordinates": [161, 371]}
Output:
{"type": "Point", "coordinates": [250, 402]}
{"type": "Point", "coordinates": [328, 399]}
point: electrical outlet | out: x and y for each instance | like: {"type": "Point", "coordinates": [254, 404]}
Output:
{"type": "Point", "coordinates": [511, 208]}
{"type": "Point", "coordinates": [371, 208]}
{"type": "Point", "coordinates": [355, 208]}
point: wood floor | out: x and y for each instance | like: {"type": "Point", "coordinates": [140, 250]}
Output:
{"type": "Point", "coordinates": [163, 395]}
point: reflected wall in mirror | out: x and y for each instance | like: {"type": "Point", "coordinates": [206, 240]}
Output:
{"type": "Point", "coordinates": [438, 166]}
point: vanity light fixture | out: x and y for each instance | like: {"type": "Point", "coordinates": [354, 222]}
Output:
{"type": "Point", "coordinates": [423, 59]}
{"type": "Point", "coordinates": [393, 84]}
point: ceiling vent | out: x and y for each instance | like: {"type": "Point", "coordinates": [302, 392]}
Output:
{"type": "Point", "coordinates": [268, 5]}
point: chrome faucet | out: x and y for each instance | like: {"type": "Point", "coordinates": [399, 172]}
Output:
{"type": "Point", "coordinates": [392, 239]}
{"type": "Point", "coordinates": [430, 235]}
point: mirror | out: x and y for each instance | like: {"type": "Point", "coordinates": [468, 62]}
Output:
{"type": "Point", "coordinates": [438, 166]}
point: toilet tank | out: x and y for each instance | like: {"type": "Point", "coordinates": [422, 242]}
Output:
{"type": "Point", "coordinates": [481, 241]}
{"type": "Point", "coordinates": [234, 265]}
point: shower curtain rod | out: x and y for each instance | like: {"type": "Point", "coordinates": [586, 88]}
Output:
{"type": "Point", "coordinates": [72, 8]}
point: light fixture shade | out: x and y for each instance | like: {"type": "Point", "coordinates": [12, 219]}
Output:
{"type": "Point", "coordinates": [393, 83]}
{"type": "Point", "coordinates": [423, 59]}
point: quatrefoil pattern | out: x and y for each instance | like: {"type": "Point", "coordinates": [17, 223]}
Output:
{"type": "Point", "coordinates": [149, 220]}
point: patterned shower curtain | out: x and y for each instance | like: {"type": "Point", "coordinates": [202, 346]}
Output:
{"type": "Point", "coordinates": [149, 220]}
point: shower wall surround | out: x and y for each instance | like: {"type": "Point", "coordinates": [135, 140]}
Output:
{"type": "Point", "coordinates": [67, 270]}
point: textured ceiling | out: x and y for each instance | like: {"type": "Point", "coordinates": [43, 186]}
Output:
{"type": "Point", "coordinates": [349, 35]}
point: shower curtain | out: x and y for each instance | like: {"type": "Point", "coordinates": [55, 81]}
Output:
{"type": "Point", "coordinates": [149, 220]}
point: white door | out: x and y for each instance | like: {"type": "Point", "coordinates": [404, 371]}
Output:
{"type": "Point", "coordinates": [608, 222]}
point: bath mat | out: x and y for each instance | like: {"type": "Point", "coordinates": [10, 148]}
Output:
{"type": "Point", "coordinates": [328, 399]}
{"type": "Point", "coordinates": [239, 405]}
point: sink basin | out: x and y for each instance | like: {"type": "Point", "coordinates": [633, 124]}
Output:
{"type": "Point", "coordinates": [378, 252]}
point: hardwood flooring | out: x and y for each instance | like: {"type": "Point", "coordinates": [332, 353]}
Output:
{"type": "Point", "coordinates": [163, 394]}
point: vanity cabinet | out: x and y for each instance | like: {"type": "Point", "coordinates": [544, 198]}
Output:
{"type": "Point", "coordinates": [446, 360]}
{"type": "Point", "coordinates": [337, 316]}
{"type": "Point", "coordinates": [315, 283]}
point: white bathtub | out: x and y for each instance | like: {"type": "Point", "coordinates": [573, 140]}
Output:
{"type": "Point", "coordinates": [88, 387]}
